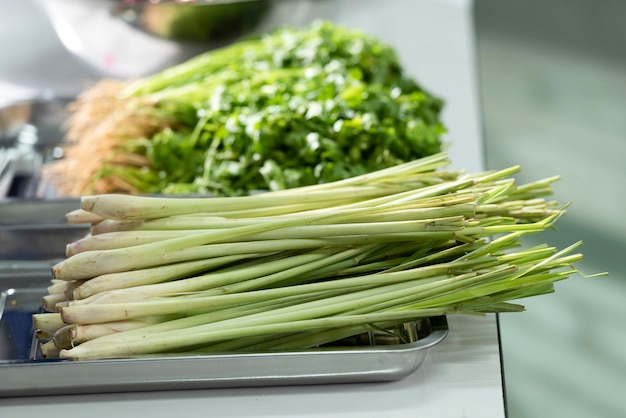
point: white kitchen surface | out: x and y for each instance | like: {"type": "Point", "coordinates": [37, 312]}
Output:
{"type": "Point", "coordinates": [460, 377]}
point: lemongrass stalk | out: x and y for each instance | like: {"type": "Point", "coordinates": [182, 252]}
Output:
{"type": "Point", "coordinates": [450, 186]}
{"type": "Point", "coordinates": [242, 217]}
{"type": "Point", "coordinates": [79, 216]}
{"type": "Point", "coordinates": [147, 276]}
{"type": "Point", "coordinates": [81, 333]}
{"type": "Point", "coordinates": [195, 221]}
{"type": "Point", "coordinates": [291, 210]}
{"type": "Point", "coordinates": [201, 221]}
{"type": "Point", "coordinates": [437, 205]}
{"type": "Point", "coordinates": [49, 302]}
{"type": "Point", "coordinates": [47, 323]}
{"type": "Point", "coordinates": [202, 318]}
{"type": "Point", "coordinates": [113, 240]}
{"type": "Point", "coordinates": [217, 280]}
{"type": "Point", "coordinates": [112, 225]}
{"type": "Point", "coordinates": [90, 264]}
{"type": "Point", "coordinates": [70, 286]}
{"type": "Point", "coordinates": [58, 287]}
{"type": "Point", "coordinates": [128, 207]}
{"type": "Point", "coordinates": [61, 337]}
{"type": "Point", "coordinates": [96, 263]}
{"type": "Point", "coordinates": [167, 342]}
{"type": "Point", "coordinates": [48, 349]}
{"type": "Point", "coordinates": [372, 229]}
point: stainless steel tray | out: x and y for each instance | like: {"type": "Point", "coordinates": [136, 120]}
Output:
{"type": "Point", "coordinates": [23, 373]}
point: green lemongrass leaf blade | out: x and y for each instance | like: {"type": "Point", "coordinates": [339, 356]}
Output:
{"type": "Point", "coordinates": [559, 254]}
{"type": "Point", "coordinates": [492, 307]}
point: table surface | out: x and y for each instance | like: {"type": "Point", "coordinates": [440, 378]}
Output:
{"type": "Point", "coordinates": [460, 377]}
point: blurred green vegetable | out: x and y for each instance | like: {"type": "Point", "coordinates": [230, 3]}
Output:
{"type": "Point", "coordinates": [292, 108]}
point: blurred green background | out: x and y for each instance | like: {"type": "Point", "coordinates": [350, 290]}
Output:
{"type": "Point", "coordinates": [553, 86]}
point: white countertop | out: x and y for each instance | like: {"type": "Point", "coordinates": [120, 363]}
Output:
{"type": "Point", "coordinates": [460, 377]}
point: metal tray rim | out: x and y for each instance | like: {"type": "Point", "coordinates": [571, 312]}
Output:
{"type": "Point", "coordinates": [327, 365]}
{"type": "Point", "coordinates": [220, 370]}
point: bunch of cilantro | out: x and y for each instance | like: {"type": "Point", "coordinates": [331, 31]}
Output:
{"type": "Point", "coordinates": [292, 108]}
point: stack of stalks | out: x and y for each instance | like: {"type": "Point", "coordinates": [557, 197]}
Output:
{"type": "Point", "coordinates": [295, 269]}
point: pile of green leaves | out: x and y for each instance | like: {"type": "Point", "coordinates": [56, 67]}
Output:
{"type": "Point", "coordinates": [292, 108]}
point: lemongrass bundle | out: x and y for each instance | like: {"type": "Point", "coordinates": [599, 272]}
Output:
{"type": "Point", "coordinates": [299, 268]}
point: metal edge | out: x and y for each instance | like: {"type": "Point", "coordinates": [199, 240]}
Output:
{"type": "Point", "coordinates": [35, 211]}
{"type": "Point", "coordinates": [309, 367]}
